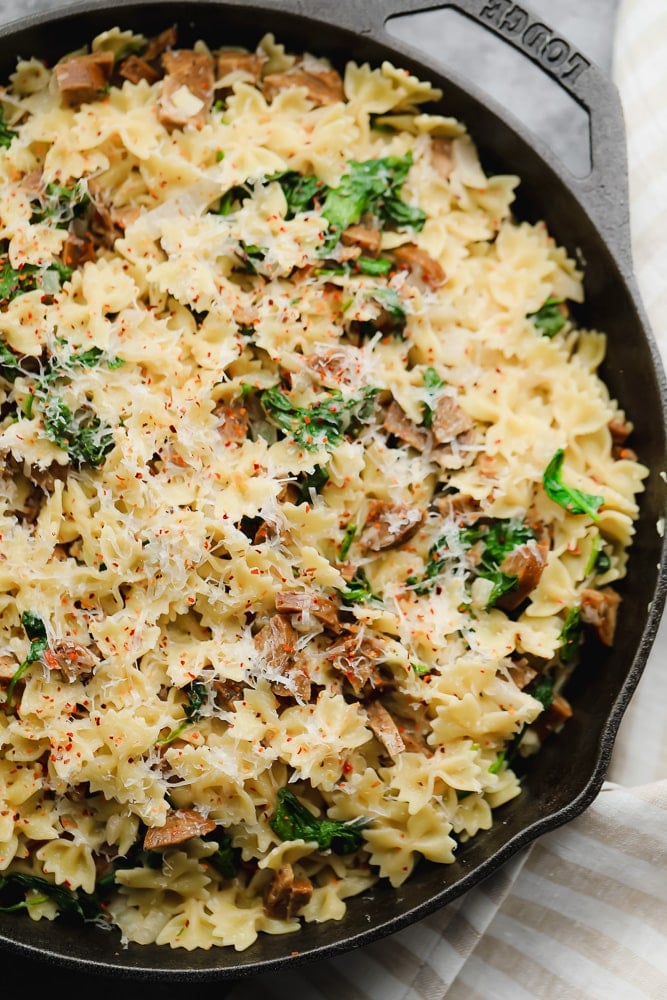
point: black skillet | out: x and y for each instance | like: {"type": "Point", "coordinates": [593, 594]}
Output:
{"type": "Point", "coordinates": [590, 217]}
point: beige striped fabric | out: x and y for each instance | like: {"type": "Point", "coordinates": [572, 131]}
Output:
{"type": "Point", "coordinates": [582, 914]}
{"type": "Point", "coordinates": [640, 70]}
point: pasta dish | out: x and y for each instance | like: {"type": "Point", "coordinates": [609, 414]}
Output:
{"type": "Point", "coordinates": [311, 487]}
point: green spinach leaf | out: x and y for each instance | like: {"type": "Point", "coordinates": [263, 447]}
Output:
{"type": "Point", "coordinates": [432, 383]}
{"type": "Point", "coordinates": [35, 630]}
{"type": "Point", "coordinates": [7, 135]}
{"type": "Point", "coordinates": [570, 635]}
{"type": "Point", "coordinates": [61, 203]}
{"type": "Point", "coordinates": [300, 190]}
{"type": "Point", "coordinates": [496, 540]}
{"type": "Point", "coordinates": [550, 318]}
{"type": "Point", "coordinates": [293, 821]}
{"type": "Point", "coordinates": [568, 497]}
{"type": "Point", "coordinates": [371, 186]}
{"type": "Point", "coordinates": [85, 438]}
{"type": "Point", "coordinates": [197, 695]}
{"type": "Point", "coordinates": [322, 425]}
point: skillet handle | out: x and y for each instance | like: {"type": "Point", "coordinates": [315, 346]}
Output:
{"type": "Point", "coordinates": [603, 192]}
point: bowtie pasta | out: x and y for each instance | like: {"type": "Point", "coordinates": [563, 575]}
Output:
{"type": "Point", "coordinates": [311, 490]}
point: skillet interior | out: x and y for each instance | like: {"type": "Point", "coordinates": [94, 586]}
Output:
{"type": "Point", "coordinates": [564, 778]}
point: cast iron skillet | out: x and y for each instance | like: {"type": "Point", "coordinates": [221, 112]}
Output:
{"type": "Point", "coordinates": [590, 217]}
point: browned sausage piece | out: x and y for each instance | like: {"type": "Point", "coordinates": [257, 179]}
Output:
{"type": "Point", "coordinates": [449, 420]}
{"type": "Point", "coordinates": [416, 743]}
{"type": "Point", "coordinates": [107, 222]}
{"type": "Point", "coordinates": [442, 156]}
{"type": "Point", "coordinates": [335, 367]}
{"type": "Point", "coordinates": [620, 430]}
{"type": "Point", "coordinates": [388, 524]}
{"type": "Point", "coordinates": [181, 825]}
{"type": "Point", "coordinates": [456, 453]}
{"type": "Point", "coordinates": [32, 184]}
{"type": "Point", "coordinates": [356, 662]}
{"type": "Point", "coordinates": [600, 608]}
{"type": "Point", "coordinates": [276, 644]}
{"type": "Point", "coordinates": [234, 422]}
{"type": "Point", "coordinates": [323, 86]}
{"type": "Point", "coordinates": [46, 478]}
{"type": "Point", "coordinates": [32, 505]}
{"type": "Point", "coordinates": [621, 451]}
{"type": "Point", "coordinates": [248, 63]}
{"type": "Point", "coordinates": [77, 250]}
{"type": "Point", "coordinates": [463, 508]}
{"type": "Point", "coordinates": [84, 78]}
{"type": "Point", "coordinates": [553, 718]}
{"type": "Point", "coordinates": [71, 658]}
{"type": "Point", "coordinates": [420, 264]}
{"type": "Point", "coordinates": [228, 691]}
{"type": "Point", "coordinates": [539, 528]}
{"type": "Point", "coordinates": [384, 728]}
{"type": "Point", "coordinates": [369, 238]}
{"type": "Point", "coordinates": [522, 673]}
{"type": "Point", "coordinates": [308, 602]}
{"type": "Point", "coordinates": [525, 562]}
{"type": "Point", "coordinates": [160, 43]}
{"type": "Point", "coordinates": [286, 895]}
{"type": "Point", "coordinates": [134, 69]}
{"type": "Point", "coordinates": [8, 667]}
{"type": "Point", "coordinates": [348, 570]}
{"type": "Point", "coordinates": [398, 423]}
{"type": "Point", "coordinates": [189, 76]}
